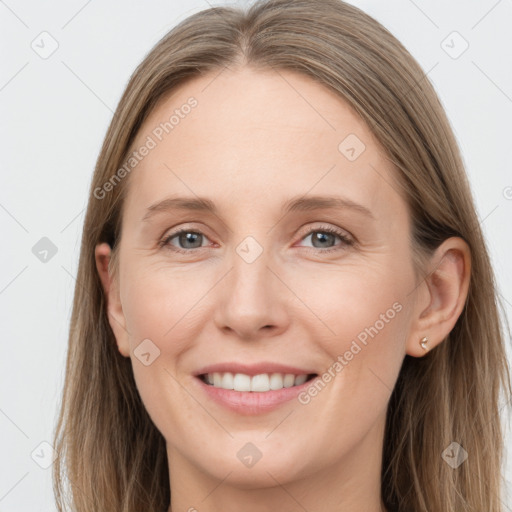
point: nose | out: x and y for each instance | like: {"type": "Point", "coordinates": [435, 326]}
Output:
{"type": "Point", "coordinates": [251, 301]}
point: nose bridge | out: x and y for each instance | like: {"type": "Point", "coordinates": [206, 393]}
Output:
{"type": "Point", "coordinates": [250, 298]}
{"type": "Point", "coordinates": [250, 267]}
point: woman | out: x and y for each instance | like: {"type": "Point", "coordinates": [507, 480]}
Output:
{"type": "Point", "coordinates": [264, 368]}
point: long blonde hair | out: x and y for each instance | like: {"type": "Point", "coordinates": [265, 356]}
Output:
{"type": "Point", "coordinates": [111, 456]}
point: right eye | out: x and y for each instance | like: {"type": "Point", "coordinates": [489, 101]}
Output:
{"type": "Point", "coordinates": [185, 237]}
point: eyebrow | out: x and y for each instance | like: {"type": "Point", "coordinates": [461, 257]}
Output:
{"type": "Point", "coordinates": [295, 204]}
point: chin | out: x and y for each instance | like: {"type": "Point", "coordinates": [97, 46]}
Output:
{"type": "Point", "coordinates": [265, 472]}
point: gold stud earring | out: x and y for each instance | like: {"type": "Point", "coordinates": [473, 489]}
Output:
{"type": "Point", "coordinates": [423, 343]}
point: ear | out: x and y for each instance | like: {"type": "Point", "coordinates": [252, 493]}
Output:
{"type": "Point", "coordinates": [441, 296]}
{"type": "Point", "coordinates": [110, 285]}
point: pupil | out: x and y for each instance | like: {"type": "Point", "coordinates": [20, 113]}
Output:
{"type": "Point", "coordinates": [189, 237]}
{"type": "Point", "coordinates": [320, 236]}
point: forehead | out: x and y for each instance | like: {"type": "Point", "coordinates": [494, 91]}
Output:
{"type": "Point", "coordinates": [250, 137]}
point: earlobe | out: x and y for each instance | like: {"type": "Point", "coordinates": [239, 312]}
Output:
{"type": "Point", "coordinates": [441, 296]}
{"type": "Point", "coordinates": [114, 308]}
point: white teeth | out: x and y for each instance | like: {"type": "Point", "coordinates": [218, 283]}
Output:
{"type": "Point", "coordinates": [259, 383]}
{"type": "Point", "coordinates": [300, 380]}
{"type": "Point", "coordinates": [289, 380]}
{"type": "Point", "coordinates": [226, 382]}
{"type": "Point", "coordinates": [276, 381]}
{"type": "Point", "coordinates": [241, 382]}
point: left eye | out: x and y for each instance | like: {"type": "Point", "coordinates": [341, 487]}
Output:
{"type": "Point", "coordinates": [323, 235]}
{"type": "Point", "coordinates": [326, 234]}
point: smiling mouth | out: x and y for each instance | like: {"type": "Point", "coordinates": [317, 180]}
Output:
{"type": "Point", "coordinates": [257, 383]}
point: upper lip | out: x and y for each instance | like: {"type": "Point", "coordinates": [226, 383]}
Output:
{"type": "Point", "coordinates": [252, 369]}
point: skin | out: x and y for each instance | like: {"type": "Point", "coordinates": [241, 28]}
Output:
{"type": "Point", "coordinates": [252, 143]}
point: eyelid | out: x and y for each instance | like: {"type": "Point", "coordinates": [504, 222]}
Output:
{"type": "Point", "coordinates": [328, 228]}
{"type": "Point", "coordinates": [180, 227]}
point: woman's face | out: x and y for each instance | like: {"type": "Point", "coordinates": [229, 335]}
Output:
{"type": "Point", "coordinates": [257, 283]}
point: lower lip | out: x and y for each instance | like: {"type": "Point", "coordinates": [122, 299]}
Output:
{"type": "Point", "coordinates": [252, 402]}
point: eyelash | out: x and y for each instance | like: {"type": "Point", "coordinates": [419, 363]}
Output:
{"type": "Point", "coordinates": [346, 241]}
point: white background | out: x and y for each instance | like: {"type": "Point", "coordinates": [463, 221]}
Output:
{"type": "Point", "coordinates": [54, 114]}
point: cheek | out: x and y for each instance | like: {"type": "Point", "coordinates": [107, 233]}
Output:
{"type": "Point", "coordinates": [354, 302]}
{"type": "Point", "coordinates": [160, 303]}
{"type": "Point", "coordinates": [362, 321]}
